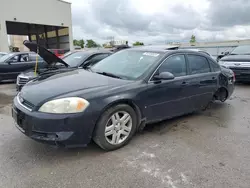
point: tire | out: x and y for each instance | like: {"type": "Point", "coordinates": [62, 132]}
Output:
{"type": "Point", "coordinates": [110, 128]}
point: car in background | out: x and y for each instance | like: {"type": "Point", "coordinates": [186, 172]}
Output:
{"type": "Point", "coordinates": [2, 54]}
{"type": "Point", "coordinates": [14, 63]}
{"type": "Point", "coordinates": [119, 95]}
{"type": "Point", "coordinates": [119, 48]}
{"type": "Point", "coordinates": [202, 51]}
{"type": "Point", "coordinates": [55, 65]}
{"type": "Point", "coordinates": [238, 61]}
{"type": "Point", "coordinates": [59, 52]}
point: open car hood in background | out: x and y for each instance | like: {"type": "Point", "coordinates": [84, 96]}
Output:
{"type": "Point", "coordinates": [48, 56]}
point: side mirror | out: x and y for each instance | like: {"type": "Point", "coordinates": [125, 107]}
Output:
{"type": "Point", "coordinates": [164, 76]}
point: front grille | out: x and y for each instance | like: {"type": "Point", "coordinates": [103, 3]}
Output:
{"type": "Point", "coordinates": [22, 80]}
{"type": "Point", "coordinates": [241, 70]}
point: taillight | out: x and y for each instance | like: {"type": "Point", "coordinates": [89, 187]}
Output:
{"type": "Point", "coordinates": [234, 77]}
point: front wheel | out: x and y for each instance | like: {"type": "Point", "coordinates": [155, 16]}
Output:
{"type": "Point", "coordinates": [116, 127]}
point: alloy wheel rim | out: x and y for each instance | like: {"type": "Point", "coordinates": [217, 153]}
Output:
{"type": "Point", "coordinates": [118, 127]}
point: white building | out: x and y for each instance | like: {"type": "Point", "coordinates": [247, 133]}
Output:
{"type": "Point", "coordinates": [47, 22]}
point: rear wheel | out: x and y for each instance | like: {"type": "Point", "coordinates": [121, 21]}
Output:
{"type": "Point", "coordinates": [221, 95]}
{"type": "Point", "coordinates": [116, 127]}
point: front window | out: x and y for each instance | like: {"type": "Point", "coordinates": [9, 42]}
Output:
{"type": "Point", "coordinates": [175, 65]}
{"type": "Point", "coordinates": [241, 50]}
{"type": "Point", "coordinates": [75, 59]}
{"type": "Point", "coordinates": [127, 64]}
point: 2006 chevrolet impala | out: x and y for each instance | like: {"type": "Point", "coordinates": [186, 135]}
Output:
{"type": "Point", "coordinates": [119, 95]}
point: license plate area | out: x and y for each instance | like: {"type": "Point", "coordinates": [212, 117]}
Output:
{"type": "Point", "coordinates": [18, 120]}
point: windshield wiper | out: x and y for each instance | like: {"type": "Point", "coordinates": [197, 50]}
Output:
{"type": "Point", "coordinates": [109, 74]}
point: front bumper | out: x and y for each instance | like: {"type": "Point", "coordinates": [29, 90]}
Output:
{"type": "Point", "coordinates": [241, 73]}
{"type": "Point", "coordinates": [67, 130]}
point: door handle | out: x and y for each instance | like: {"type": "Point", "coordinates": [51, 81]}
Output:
{"type": "Point", "coordinates": [184, 83]}
{"type": "Point", "coordinates": [213, 78]}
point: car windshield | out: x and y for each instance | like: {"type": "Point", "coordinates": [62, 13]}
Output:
{"type": "Point", "coordinates": [2, 54]}
{"type": "Point", "coordinates": [127, 64]}
{"type": "Point", "coordinates": [241, 50]}
{"type": "Point", "coordinates": [75, 59]}
{"type": "Point", "coordinates": [5, 57]}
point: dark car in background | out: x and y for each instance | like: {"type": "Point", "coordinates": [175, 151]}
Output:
{"type": "Point", "coordinates": [238, 61]}
{"type": "Point", "coordinates": [119, 48]}
{"type": "Point", "coordinates": [117, 96]}
{"type": "Point", "coordinates": [12, 64]}
{"type": "Point", "coordinates": [71, 61]}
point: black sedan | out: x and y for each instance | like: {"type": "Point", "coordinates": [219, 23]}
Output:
{"type": "Point", "coordinates": [119, 95]}
{"type": "Point", "coordinates": [71, 61]}
{"type": "Point", "coordinates": [239, 62]}
{"type": "Point", "coordinates": [14, 63]}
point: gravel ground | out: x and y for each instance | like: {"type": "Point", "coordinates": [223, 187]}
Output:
{"type": "Point", "coordinates": [206, 149]}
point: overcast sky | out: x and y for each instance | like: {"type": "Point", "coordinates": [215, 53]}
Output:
{"type": "Point", "coordinates": [157, 21]}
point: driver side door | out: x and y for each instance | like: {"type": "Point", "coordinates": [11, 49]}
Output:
{"type": "Point", "coordinates": [168, 98]}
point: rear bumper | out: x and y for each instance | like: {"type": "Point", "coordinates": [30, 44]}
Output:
{"type": "Point", "coordinates": [66, 130]}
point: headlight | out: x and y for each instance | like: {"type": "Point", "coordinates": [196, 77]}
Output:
{"type": "Point", "coordinates": [65, 105]}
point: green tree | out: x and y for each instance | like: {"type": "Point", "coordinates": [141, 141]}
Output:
{"type": "Point", "coordinates": [91, 44]}
{"type": "Point", "coordinates": [81, 43]}
{"type": "Point", "coordinates": [75, 42]}
{"type": "Point", "coordinates": [137, 43]}
{"type": "Point", "coordinates": [193, 39]}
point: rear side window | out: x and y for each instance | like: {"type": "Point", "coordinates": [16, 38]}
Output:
{"type": "Point", "coordinates": [198, 64]}
{"type": "Point", "coordinates": [215, 66]}
{"type": "Point", "coordinates": [175, 64]}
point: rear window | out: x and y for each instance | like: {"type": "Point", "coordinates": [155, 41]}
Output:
{"type": "Point", "coordinates": [198, 64]}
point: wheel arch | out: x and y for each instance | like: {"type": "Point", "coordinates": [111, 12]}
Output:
{"type": "Point", "coordinates": [129, 102]}
{"type": "Point", "coordinates": [222, 88]}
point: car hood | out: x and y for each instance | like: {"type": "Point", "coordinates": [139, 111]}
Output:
{"type": "Point", "coordinates": [30, 74]}
{"type": "Point", "coordinates": [48, 56]}
{"type": "Point", "coordinates": [42, 90]}
{"type": "Point", "coordinates": [236, 58]}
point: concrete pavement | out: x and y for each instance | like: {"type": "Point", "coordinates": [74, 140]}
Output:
{"type": "Point", "coordinates": [206, 149]}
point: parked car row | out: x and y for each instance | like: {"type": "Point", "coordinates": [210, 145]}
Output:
{"type": "Point", "coordinates": [108, 101]}
{"type": "Point", "coordinates": [71, 61]}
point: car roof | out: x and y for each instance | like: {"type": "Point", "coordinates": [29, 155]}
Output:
{"type": "Point", "coordinates": [166, 51]}
{"type": "Point", "coordinates": [90, 52]}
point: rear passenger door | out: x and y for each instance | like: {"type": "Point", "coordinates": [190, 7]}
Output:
{"type": "Point", "coordinates": [202, 79]}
